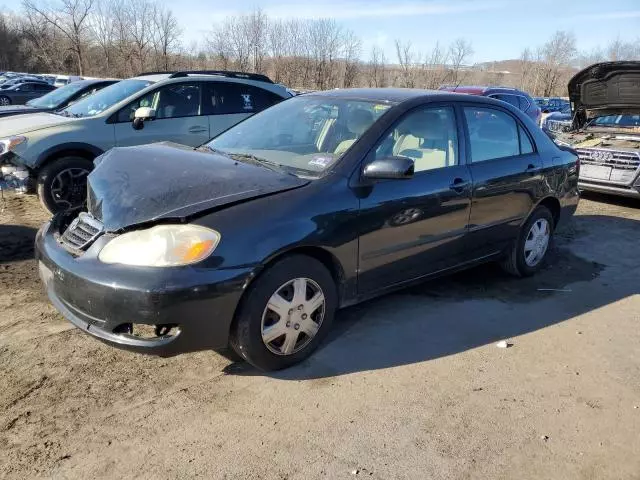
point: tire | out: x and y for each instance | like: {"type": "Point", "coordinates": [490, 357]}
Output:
{"type": "Point", "coordinates": [5, 101]}
{"type": "Point", "coordinates": [48, 183]}
{"type": "Point", "coordinates": [516, 261]}
{"type": "Point", "coordinates": [246, 336]}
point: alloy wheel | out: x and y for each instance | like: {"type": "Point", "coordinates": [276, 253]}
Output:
{"type": "Point", "coordinates": [293, 316]}
{"type": "Point", "coordinates": [537, 242]}
{"type": "Point", "coordinates": [4, 101]}
{"type": "Point", "coordinates": [68, 188]}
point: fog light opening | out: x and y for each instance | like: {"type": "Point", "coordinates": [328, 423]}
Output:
{"type": "Point", "coordinates": [146, 331]}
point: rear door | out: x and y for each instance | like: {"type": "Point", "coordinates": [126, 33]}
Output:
{"type": "Point", "coordinates": [228, 103]}
{"type": "Point", "coordinates": [411, 228]}
{"type": "Point", "coordinates": [23, 93]}
{"type": "Point", "coordinates": [507, 174]}
{"type": "Point", "coordinates": [179, 117]}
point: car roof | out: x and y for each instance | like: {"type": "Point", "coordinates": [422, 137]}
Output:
{"type": "Point", "coordinates": [394, 95]}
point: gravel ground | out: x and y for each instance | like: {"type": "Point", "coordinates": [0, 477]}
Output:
{"type": "Point", "coordinates": [409, 386]}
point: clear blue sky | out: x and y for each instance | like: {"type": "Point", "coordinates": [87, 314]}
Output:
{"type": "Point", "coordinates": [497, 29]}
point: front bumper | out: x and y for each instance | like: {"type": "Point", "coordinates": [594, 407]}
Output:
{"type": "Point", "coordinates": [100, 298]}
{"type": "Point", "coordinates": [632, 192]}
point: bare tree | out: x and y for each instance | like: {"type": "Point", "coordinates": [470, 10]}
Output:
{"type": "Point", "coordinates": [103, 30]}
{"type": "Point", "coordinates": [406, 60]}
{"type": "Point", "coordinates": [352, 48]}
{"type": "Point", "coordinates": [460, 53]}
{"type": "Point", "coordinates": [70, 17]}
{"type": "Point", "coordinates": [377, 68]}
{"type": "Point", "coordinates": [167, 34]}
{"type": "Point", "coordinates": [557, 54]}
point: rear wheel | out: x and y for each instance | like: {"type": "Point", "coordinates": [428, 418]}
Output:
{"type": "Point", "coordinates": [529, 251]}
{"type": "Point", "coordinates": [4, 101]}
{"type": "Point", "coordinates": [63, 183]}
{"type": "Point", "coordinates": [285, 314]}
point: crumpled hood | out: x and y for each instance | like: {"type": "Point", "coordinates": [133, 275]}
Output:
{"type": "Point", "coordinates": [608, 88]}
{"type": "Point", "coordinates": [136, 185]}
{"type": "Point", "coordinates": [21, 124]}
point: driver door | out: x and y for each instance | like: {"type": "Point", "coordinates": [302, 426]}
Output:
{"type": "Point", "coordinates": [178, 118]}
{"type": "Point", "coordinates": [414, 227]}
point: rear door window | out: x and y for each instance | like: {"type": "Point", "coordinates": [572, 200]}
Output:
{"type": "Point", "coordinates": [524, 103]}
{"type": "Point", "coordinates": [493, 134]}
{"type": "Point", "coordinates": [510, 99]}
{"type": "Point", "coordinates": [224, 98]}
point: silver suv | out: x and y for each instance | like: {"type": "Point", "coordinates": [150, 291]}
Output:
{"type": "Point", "coordinates": [54, 151]}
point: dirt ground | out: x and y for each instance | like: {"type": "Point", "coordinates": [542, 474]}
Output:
{"type": "Point", "coordinates": [409, 386]}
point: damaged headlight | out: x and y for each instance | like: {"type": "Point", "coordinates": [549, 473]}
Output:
{"type": "Point", "coordinates": [161, 246]}
{"type": "Point", "coordinates": [8, 144]}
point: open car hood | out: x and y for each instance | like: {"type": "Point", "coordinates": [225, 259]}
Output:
{"type": "Point", "coordinates": [139, 185]}
{"type": "Point", "coordinates": [610, 88]}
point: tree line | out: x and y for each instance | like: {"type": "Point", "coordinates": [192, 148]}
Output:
{"type": "Point", "coordinates": [121, 38]}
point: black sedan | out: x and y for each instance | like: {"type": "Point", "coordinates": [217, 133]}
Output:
{"type": "Point", "coordinates": [257, 238]}
{"type": "Point", "coordinates": [57, 98]}
{"type": "Point", "coordinates": [22, 92]}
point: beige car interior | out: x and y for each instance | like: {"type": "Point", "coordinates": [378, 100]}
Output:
{"type": "Point", "coordinates": [429, 138]}
{"type": "Point", "coordinates": [358, 121]}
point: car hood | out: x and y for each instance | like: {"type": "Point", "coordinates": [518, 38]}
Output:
{"type": "Point", "coordinates": [30, 123]}
{"type": "Point", "coordinates": [139, 185]}
{"type": "Point", "coordinates": [610, 88]}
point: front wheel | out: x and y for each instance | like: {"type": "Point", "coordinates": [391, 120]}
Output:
{"type": "Point", "coordinates": [285, 314]}
{"type": "Point", "coordinates": [62, 184]}
{"type": "Point", "coordinates": [529, 251]}
{"type": "Point", "coordinates": [4, 101]}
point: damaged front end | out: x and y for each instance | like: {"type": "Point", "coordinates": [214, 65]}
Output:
{"type": "Point", "coordinates": [605, 127]}
{"type": "Point", "coordinates": [13, 175]}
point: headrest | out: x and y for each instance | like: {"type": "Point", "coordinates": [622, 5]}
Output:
{"type": "Point", "coordinates": [359, 120]}
{"type": "Point", "coordinates": [426, 125]}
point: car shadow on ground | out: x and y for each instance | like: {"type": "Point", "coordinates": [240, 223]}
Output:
{"type": "Point", "coordinates": [16, 243]}
{"type": "Point", "coordinates": [470, 309]}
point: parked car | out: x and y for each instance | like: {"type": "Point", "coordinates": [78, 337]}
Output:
{"type": "Point", "coordinates": [319, 202]}
{"type": "Point", "coordinates": [557, 121]}
{"type": "Point", "coordinates": [606, 127]}
{"type": "Point", "coordinates": [20, 93]}
{"type": "Point", "coordinates": [57, 149]}
{"type": "Point", "coordinates": [554, 105]}
{"type": "Point", "coordinates": [13, 81]}
{"type": "Point", "coordinates": [58, 98]}
{"type": "Point", "coordinates": [519, 99]}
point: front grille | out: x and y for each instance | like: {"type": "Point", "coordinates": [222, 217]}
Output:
{"type": "Point", "coordinates": [624, 165]}
{"type": "Point", "coordinates": [81, 233]}
{"type": "Point", "coordinates": [559, 125]}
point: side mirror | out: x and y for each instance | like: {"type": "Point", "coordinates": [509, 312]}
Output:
{"type": "Point", "coordinates": [142, 114]}
{"type": "Point", "coordinates": [390, 168]}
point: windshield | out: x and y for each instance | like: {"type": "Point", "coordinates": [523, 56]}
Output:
{"type": "Point", "coordinates": [57, 97]}
{"type": "Point", "coordinates": [616, 121]}
{"type": "Point", "coordinates": [105, 98]}
{"type": "Point", "coordinates": [306, 133]}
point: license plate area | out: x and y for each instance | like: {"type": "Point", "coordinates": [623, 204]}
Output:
{"type": "Point", "coordinates": [596, 172]}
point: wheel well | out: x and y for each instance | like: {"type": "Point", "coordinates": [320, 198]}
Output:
{"type": "Point", "coordinates": [77, 152]}
{"type": "Point", "coordinates": [320, 254]}
{"type": "Point", "coordinates": [553, 204]}
{"type": "Point", "coordinates": [323, 256]}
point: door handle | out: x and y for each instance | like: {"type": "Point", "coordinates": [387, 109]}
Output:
{"type": "Point", "coordinates": [458, 185]}
{"type": "Point", "coordinates": [197, 129]}
{"type": "Point", "coordinates": [531, 168]}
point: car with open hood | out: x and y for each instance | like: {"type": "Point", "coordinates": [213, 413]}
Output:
{"type": "Point", "coordinates": [58, 98]}
{"type": "Point", "coordinates": [605, 127]}
{"type": "Point", "coordinates": [52, 153]}
{"type": "Point", "coordinates": [256, 238]}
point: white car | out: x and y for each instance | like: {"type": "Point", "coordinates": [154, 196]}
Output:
{"type": "Point", "coordinates": [57, 149]}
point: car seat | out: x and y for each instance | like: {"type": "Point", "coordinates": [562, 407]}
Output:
{"type": "Point", "coordinates": [358, 121]}
{"type": "Point", "coordinates": [427, 141]}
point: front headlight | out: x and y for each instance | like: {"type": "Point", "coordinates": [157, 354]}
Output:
{"type": "Point", "coordinates": [161, 246]}
{"type": "Point", "coordinates": [8, 144]}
